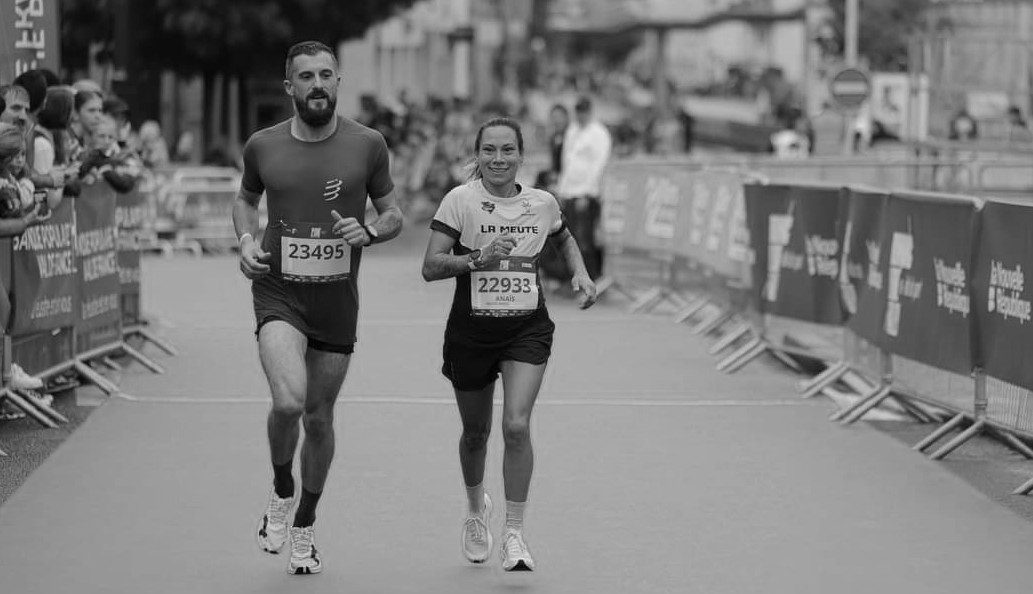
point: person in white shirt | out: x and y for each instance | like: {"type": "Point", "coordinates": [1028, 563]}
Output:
{"type": "Point", "coordinates": [586, 150]}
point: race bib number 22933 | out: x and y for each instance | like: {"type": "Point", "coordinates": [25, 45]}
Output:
{"type": "Point", "coordinates": [311, 254]}
{"type": "Point", "coordinates": [509, 288]}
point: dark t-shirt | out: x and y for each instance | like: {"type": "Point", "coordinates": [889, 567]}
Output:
{"type": "Point", "coordinates": [304, 181]}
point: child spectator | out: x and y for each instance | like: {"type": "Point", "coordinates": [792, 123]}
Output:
{"type": "Point", "coordinates": [120, 168]}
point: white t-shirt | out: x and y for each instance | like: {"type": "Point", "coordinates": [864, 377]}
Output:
{"type": "Point", "coordinates": [474, 217]}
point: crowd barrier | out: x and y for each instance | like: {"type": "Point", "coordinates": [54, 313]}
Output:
{"type": "Point", "coordinates": [74, 287]}
{"type": "Point", "coordinates": [910, 299]}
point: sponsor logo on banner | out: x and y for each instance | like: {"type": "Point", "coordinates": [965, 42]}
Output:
{"type": "Point", "coordinates": [1005, 297]}
{"type": "Point", "coordinates": [661, 207]}
{"type": "Point", "coordinates": [902, 258]}
{"type": "Point", "coordinates": [950, 287]}
{"type": "Point", "coordinates": [822, 256]}
{"type": "Point", "coordinates": [780, 227]}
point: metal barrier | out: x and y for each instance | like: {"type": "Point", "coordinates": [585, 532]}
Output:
{"type": "Point", "coordinates": [910, 340]}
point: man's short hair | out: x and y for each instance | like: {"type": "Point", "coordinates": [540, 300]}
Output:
{"type": "Point", "coordinates": [308, 48]}
{"type": "Point", "coordinates": [584, 104]}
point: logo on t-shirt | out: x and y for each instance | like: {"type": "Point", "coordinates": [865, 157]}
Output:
{"type": "Point", "coordinates": [332, 189]}
{"type": "Point", "coordinates": [488, 207]}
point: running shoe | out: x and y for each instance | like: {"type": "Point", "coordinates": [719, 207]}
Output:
{"type": "Point", "coordinates": [304, 558]}
{"type": "Point", "coordinates": [476, 536]}
{"type": "Point", "coordinates": [272, 527]}
{"type": "Point", "coordinates": [515, 555]}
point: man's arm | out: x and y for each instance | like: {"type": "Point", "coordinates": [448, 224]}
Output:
{"type": "Point", "coordinates": [245, 212]}
{"type": "Point", "coordinates": [389, 217]}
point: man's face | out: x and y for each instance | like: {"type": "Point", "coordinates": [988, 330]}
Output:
{"type": "Point", "coordinates": [17, 111]}
{"type": "Point", "coordinates": [313, 87]}
{"type": "Point", "coordinates": [105, 135]}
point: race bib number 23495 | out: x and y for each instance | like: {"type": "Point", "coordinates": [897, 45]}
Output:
{"type": "Point", "coordinates": [313, 255]}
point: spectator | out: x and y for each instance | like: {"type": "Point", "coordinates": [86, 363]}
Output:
{"type": "Point", "coordinates": [16, 106]}
{"type": "Point", "coordinates": [120, 168]}
{"type": "Point", "coordinates": [559, 119]}
{"type": "Point", "coordinates": [963, 126]}
{"type": "Point", "coordinates": [184, 148]}
{"type": "Point", "coordinates": [17, 212]}
{"type": "Point", "coordinates": [88, 111]}
{"type": "Point", "coordinates": [153, 150]}
{"type": "Point", "coordinates": [118, 110]}
{"type": "Point", "coordinates": [1018, 128]}
{"type": "Point", "coordinates": [54, 146]}
{"type": "Point", "coordinates": [586, 150]}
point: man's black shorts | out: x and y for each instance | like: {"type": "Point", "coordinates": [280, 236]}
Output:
{"type": "Point", "coordinates": [325, 313]}
{"type": "Point", "coordinates": [471, 366]}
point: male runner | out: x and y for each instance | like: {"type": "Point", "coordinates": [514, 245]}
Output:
{"type": "Point", "coordinates": [316, 170]}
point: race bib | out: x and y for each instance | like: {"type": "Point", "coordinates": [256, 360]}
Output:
{"type": "Point", "coordinates": [309, 253]}
{"type": "Point", "coordinates": [507, 288]}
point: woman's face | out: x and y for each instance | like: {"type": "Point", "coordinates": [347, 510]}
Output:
{"type": "Point", "coordinates": [499, 157]}
{"type": "Point", "coordinates": [90, 113]}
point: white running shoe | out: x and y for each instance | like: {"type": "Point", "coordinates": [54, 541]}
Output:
{"type": "Point", "coordinates": [476, 535]}
{"type": "Point", "coordinates": [20, 380]}
{"type": "Point", "coordinates": [272, 526]}
{"type": "Point", "coordinates": [515, 555]}
{"type": "Point", "coordinates": [304, 558]}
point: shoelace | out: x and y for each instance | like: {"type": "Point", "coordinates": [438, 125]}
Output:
{"type": "Point", "coordinates": [278, 509]}
{"type": "Point", "coordinates": [476, 529]}
{"type": "Point", "coordinates": [301, 542]}
{"type": "Point", "coordinates": [515, 546]}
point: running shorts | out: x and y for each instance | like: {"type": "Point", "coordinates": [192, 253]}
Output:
{"type": "Point", "coordinates": [326, 313]}
{"type": "Point", "coordinates": [471, 366]}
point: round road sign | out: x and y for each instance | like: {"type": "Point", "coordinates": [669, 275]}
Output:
{"type": "Point", "coordinates": [850, 87]}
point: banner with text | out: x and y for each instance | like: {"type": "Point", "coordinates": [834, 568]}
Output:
{"type": "Point", "coordinates": [1000, 296]}
{"type": "Point", "coordinates": [712, 225]}
{"type": "Point", "coordinates": [927, 263]}
{"type": "Point", "coordinates": [45, 273]}
{"type": "Point", "coordinates": [796, 236]}
{"type": "Point", "coordinates": [862, 278]}
{"type": "Point", "coordinates": [99, 316]}
{"type": "Point", "coordinates": [131, 212]}
{"type": "Point", "coordinates": [29, 36]}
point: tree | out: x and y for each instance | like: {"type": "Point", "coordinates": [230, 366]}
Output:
{"type": "Point", "coordinates": [229, 36]}
{"type": "Point", "coordinates": [885, 27]}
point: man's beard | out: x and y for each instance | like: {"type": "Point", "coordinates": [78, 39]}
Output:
{"type": "Point", "coordinates": [315, 117]}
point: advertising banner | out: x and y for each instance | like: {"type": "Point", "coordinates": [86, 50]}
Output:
{"type": "Point", "coordinates": [29, 36]}
{"type": "Point", "coordinates": [130, 213]}
{"type": "Point", "coordinates": [1000, 296]}
{"type": "Point", "coordinates": [927, 265]}
{"type": "Point", "coordinates": [45, 273]}
{"type": "Point", "coordinates": [99, 315]}
{"type": "Point", "coordinates": [712, 223]}
{"type": "Point", "coordinates": [796, 236]}
{"type": "Point", "coordinates": [862, 278]}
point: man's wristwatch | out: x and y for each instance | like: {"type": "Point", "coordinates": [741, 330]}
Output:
{"type": "Point", "coordinates": [474, 263]}
{"type": "Point", "coordinates": [372, 233]}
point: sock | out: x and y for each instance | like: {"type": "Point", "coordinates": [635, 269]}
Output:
{"type": "Point", "coordinates": [306, 514]}
{"type": "Point", "coordinates": [475, 499]}
{"type": "Point", "coordinates": [515, 515]}
{"type": "Point", "coordinates": [283, 482]}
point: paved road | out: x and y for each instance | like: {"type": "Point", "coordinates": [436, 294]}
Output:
{"type": "Point", "coordinates": [654, 473]}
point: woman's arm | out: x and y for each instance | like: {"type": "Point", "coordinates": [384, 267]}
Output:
{"type": "Point", "coordinates": [439, 263]}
